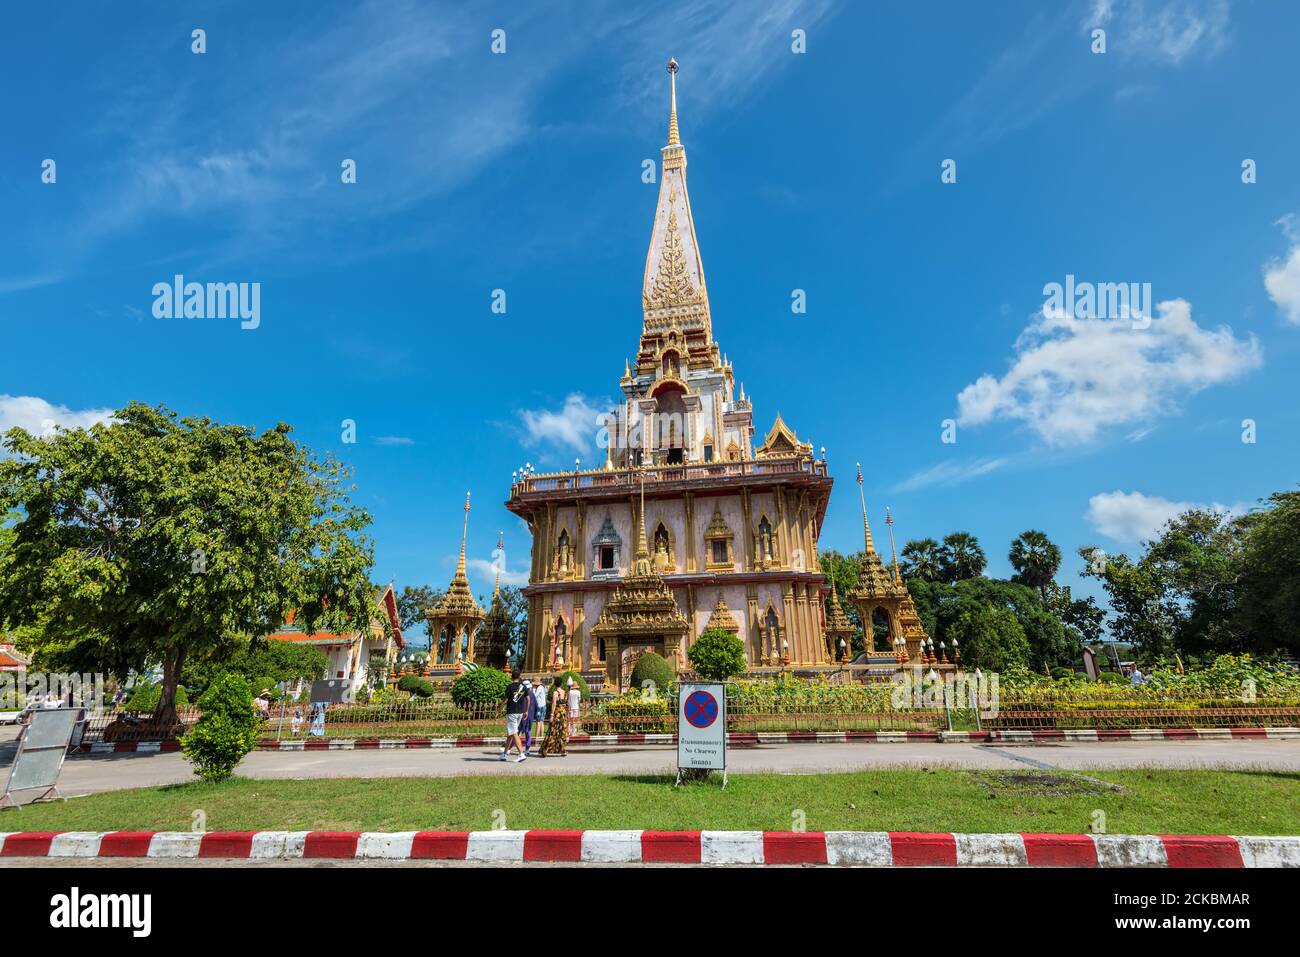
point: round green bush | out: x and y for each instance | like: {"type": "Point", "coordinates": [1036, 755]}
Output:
{"type": "Point", "coordinates": [717, 655]}
{"type": "Point", "coordinates": [1059, 672]}
{"type": "Point", "coordinates": [480, 686]}
{"type": "Point", "coordinates": [653, 667]}
{"type": "Point", "coordinates": [563, 679]}
{"type": "Point", "coordinates": [1113, 678]}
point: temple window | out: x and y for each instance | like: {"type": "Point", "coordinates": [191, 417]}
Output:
{"type": "Point", "coordinates": [718, 543]}
{"type": "Point", "coordinates": [671, 364]}
{"type": "Point", "coordinates": [606, 557]}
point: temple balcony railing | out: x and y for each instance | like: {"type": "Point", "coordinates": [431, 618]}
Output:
{"type": "Point", "coordinates": [629, 479]}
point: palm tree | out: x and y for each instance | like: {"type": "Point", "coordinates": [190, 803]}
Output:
{"type": "Point", "coordinates": [1035, 559]}
{"type": "Point", "coordinates": [922, 560]}
{"type": "Point", "coordinates": [961, 558]}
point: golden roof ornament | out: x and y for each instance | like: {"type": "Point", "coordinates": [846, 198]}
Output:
{"type": "Point", "coordinates": [458, 603]}
{"type": "Point", "coordinates": [673, 138]}
{"type": "Point", "coordinates": [837, 622]}
{"type": "Point", "coordinates": [722, 619]}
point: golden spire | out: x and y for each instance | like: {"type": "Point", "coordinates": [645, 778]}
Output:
{"type": "Point", "coordinates": [889, 520]}
{"type": "Point", "coordinates": [866, 528]}
{"type": "Point", "coordinates": [460, 564]}
{"type": "Point", "coordinates": [642, 549]}
{"type": "Point", "coordinates": [501, 560]}
{"type": "Point", "coordinates": [673, 138]}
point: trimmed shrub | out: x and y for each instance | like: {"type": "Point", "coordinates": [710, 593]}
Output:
{"type": "Point", "coordinates": [653, 667]}
{"type": "Point", "coordinates": [144, 698]}
{"type": "Point", "coordinates": [226, 731]}
{"type": "Point", "coordinates": [655, 715]}
{"type": "Point", "coordinates": [717, 655]}
{"type": "Point", "coordinates": [480, 686]}
{"type": "Point", "coordinates": [563, 679]}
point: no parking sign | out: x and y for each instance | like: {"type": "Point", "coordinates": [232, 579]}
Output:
{"type": "Point", "coordinates": [702, 726]}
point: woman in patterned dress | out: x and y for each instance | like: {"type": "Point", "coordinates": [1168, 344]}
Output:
{"type": "Point", "coordinates": [557, 728]}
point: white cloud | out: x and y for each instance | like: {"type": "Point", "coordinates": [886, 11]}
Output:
{"type": "Point", "coordinates": [1135, 517]}
{"type": "Point", "coordinates": [1071, 379]}
{"type": "Point", "coordinates": [394, 440]}
{"type": "Point", "coordinates": [40, 417]}
{"type": "Point", "coordinates": [575, 426]}
{"type": "Point", "coordinates": [1282, 277]}
{"type": "Point", "coordinates": [950, 473]}
{"type": "Point", "coordinates": [1168, 32]}
{"type": "Point", "coordinates": [483, 568]}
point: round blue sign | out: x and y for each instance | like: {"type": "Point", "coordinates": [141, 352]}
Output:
{"type": "Point", "coordinates": [701, 709]}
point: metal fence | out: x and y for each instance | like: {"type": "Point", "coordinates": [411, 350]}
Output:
{"type": "Point", "coordinates": [440, 717]}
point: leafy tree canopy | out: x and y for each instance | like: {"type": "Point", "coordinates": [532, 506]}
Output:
{"type": "Point", "coordinates": [155, 538]}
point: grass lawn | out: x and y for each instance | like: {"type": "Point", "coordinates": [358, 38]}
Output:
{"type": "Point", "coordinates": [1148, 802]}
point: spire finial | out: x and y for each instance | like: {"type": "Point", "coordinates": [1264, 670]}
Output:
{"type": "Point", "coordinates": [642, 549]}
{"type": "Point", "coordinates": [889, 520]}
{"type": "Point", "coordinates": [866, 527]}
{"type": "Point", "coordinates": [464, 532]}
{"type": "Point", "coordinates": [673, 138]}
{"type": "Point", "coordinates": [501, 560]}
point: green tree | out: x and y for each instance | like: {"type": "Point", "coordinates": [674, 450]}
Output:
{"type": "Point", "coordinates": [922, 559]}
{"type": "Point", "coordinates": [226, 730]}
{"type": "Point", "coordinates": [1144, 610]}
{"type": "Point", "coordinates": [717, 655]}
{"type": "Point", "coordinates": [961, 558]}
{"type": "Point", "coordinates": [262, 661]}
{"type": "Point", "coordinates": [155, 539]}
{"type": "Point", "coordinates": [990, 638]}
{"type": "Point", "coordinates": [414, 603]}
{"type": "Point", "coordinates": [1268, 607]}
{"type": "Point", "coordinates": [1035, 558]}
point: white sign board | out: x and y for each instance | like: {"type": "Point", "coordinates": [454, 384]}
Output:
{"type": "Point", "coordinates": [702, 726]}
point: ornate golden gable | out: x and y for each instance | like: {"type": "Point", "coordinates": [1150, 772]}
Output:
{"type": "Point", "coordinates": [722, 619]}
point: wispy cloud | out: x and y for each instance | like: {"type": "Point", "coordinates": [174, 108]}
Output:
{"type": "Point", "coordinates": [1282, 276]}
{"type": "Point", "coordinates": [394, 440]}
{"type": "Point", "coordinates": [1164, 31]}
{"type": "Point", "coordinates": [950, 473]}
{"type": "Point", "coordinates": [1132, 517]}
{"type": "Point", "coordinates": [41, 417]}
{"type": "Point", "coordinates": [574, 425]}
{"type": "Point", "coordinates": [483, 568]}
{"type": "Point", "coordinates": [1072, 379]}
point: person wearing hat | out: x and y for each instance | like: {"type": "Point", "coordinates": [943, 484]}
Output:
{"type": "Point", "coordinates": [263, 703]}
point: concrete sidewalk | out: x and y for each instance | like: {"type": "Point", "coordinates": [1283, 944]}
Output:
{"type": "Point", "coordinates": [88, 774]}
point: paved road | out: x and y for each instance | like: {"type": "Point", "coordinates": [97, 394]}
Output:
{"type": "Point", "coordinates": [87, 774]}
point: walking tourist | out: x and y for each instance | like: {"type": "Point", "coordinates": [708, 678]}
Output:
{"type": "Point", "coordinates": [516, 707]}
{"type": "Point", "coordinates": [539, 715]}
{"type": "Point", "coordinates": [557, 731]}
{"type": "Point", "coordinates": [526, 722]}
{"type": "Point", "coordinates": [575, 701]}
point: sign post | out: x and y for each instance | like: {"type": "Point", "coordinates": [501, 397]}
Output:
{"type": "Point", "coordinates": [42, 746]}
{"type": "Point", "coordinates": [702, 728]}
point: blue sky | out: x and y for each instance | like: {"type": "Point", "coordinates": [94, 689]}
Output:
{"type": "Point", "coordinates": [817, 171]}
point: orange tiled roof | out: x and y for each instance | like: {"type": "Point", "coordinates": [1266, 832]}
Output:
{"type": "Point", "coordinates": [8, 660]}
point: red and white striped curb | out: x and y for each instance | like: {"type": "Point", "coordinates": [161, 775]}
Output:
{"type": "Point", "coordinates": [739, 739]}
{"type": "Point", "coordinates": [854, 848]}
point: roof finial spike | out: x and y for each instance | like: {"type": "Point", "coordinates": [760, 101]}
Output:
{"type": "Point", "coordinates": [464, 532]}
{"type": "Point", "coordinates": [673, 138]}
{"type": "Point", "coordinates": [642, 549]}
{"type": "Point", "coordinates": [889, 520]}
{"type": "Point", "coordinates": [866, 526]}
{"type": "Point", "coordinates": [501, 560]}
